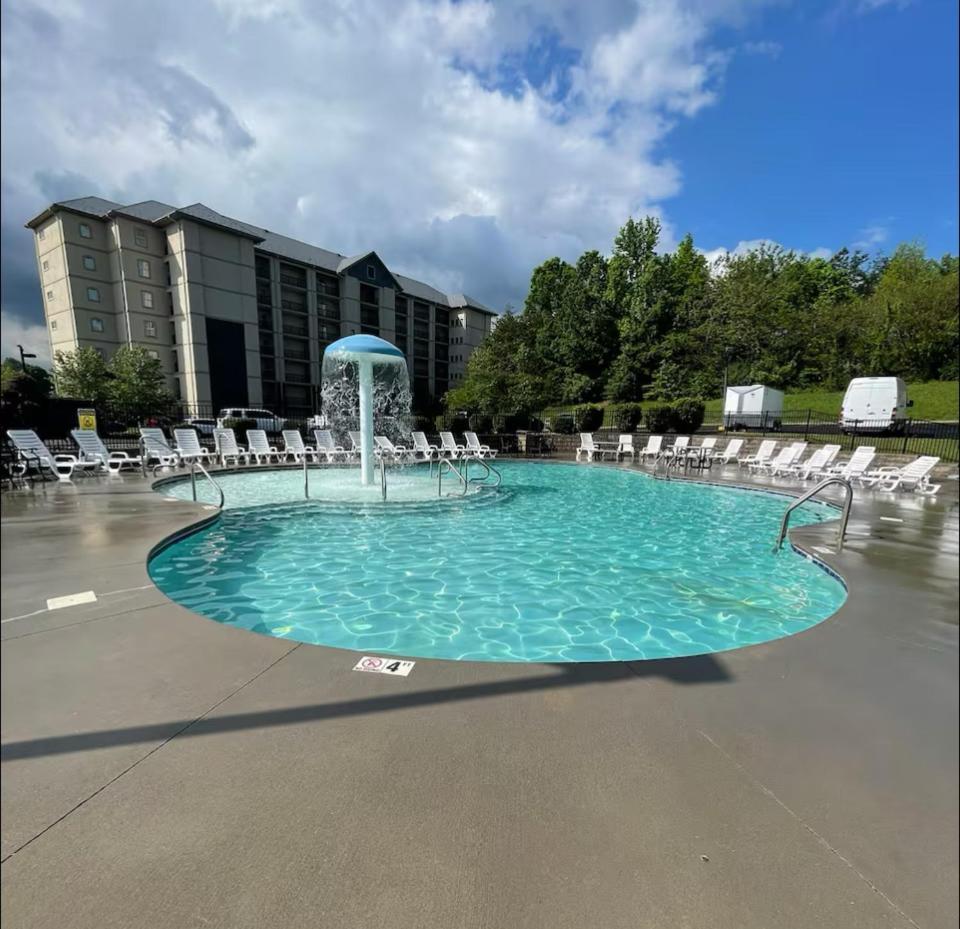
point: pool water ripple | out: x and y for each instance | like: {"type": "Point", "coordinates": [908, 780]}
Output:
{"type": "Point", "coordinates": [570, 563]}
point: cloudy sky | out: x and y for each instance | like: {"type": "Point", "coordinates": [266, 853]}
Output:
{"type": "Point", "coordinates": [467, 141]}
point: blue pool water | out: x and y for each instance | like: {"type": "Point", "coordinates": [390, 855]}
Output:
{"type": "Point", "coordinates": [564, 563]}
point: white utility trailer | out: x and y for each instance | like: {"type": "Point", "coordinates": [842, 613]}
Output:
{"type": "Point", "coordinates": [753, 407]}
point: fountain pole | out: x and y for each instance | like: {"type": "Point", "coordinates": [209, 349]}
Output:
{"type": "Point", "coordinates": [366, 420]}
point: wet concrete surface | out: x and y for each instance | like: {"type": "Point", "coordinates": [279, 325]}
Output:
{"type": "Point", "coordinates": [162, 770]}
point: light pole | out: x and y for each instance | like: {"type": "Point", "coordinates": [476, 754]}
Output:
{"type": "Point", "coordinates": [23, 358]}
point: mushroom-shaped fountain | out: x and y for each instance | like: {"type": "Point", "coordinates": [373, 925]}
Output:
{"type": "Point", "coordinates": [378, 388]}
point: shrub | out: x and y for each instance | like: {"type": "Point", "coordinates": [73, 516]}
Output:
{"type": "Point", "coordinates": [658, 418]}
{"type": "Point", "coordinates": [423, 424]}
{"type": "Point", "coordinates": [588, 417]}
{"type": "Point", "coordinates": [626, 416]}
{"type": "Point", "coordinates": [562, 423]}
{"type": "Point", "coordinates": [687, 414]}
{"type": "Point", "coordinates": [240, 426]}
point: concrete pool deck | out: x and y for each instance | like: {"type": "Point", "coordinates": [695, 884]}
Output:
{"type": "Point", "coordinates": [161, 770]}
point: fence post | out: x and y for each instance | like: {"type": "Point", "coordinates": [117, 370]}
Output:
{"type": "Point", "coordinates": [806, 428]}
{"type": "Point", "coordinates": [906, 434]}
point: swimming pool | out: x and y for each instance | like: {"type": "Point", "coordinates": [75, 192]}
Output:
{"type": "Point", "coordinates": [564, 563]}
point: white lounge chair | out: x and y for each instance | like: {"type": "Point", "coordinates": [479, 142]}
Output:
{"type": "Point", "coordinates": [625, 446]}
{"type": "Point", "coordinates": [728, 454]}
{"type": "Point", "coordinates": [679, 447]}
{"type": "Point", "coordinates": [326, 445]}
{"type": "Point", "coordinates": [34, 454]}
{"type": "Point", "coordinates": [652, 449]}
{"type": "Point", "coordinates": [821, 458]}
{"type": "Point", "coordinates": [915, 475]}
{"type": "Point", "coordinates": [92, 449]}
{"type": "Point", "coordinates": [294, 448]}
{"type": "Point", "coordinates": [385, 448]}
{"type": "Point", "coordinates": [423, 448]}
{"type": "Point", "coordinates": [259, 447]}
{"type": "Point", "coordinates": [855, 468]}
{"type": "Point", "coordinates": [189, 447]}
{"type": "Point", "coordinates": [475, 448]}
{"type": "Point", "coordinates": [763, 453]}
{"type": "Point", "coordinates": [225, 441]}
{"type": "Point", "coordinates": [156, 448]}
{"type": "Point", "coordinates": [794, 452]}
{"type": "Point", "coordinates": [449, 446]}
{"type": "Point", "coordinates": [591, 449]}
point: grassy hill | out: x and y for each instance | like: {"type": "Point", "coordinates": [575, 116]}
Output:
{"type": "Point", "coordinates": [938, 400]}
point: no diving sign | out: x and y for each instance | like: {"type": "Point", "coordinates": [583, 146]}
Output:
{"type": "Point", "coordinates": [384, 665]}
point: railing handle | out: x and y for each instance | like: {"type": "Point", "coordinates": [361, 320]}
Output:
{"type": "Point", "coordinates": [193, 480]}
{"type": "Point", "coordinates": [844, 515]}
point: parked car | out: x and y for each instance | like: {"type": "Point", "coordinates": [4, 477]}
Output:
{"type": "Point", "coordinates": [874, 404]}
{"type": "Point", "coordinates": [203, 425]}
{"type": "Point", "coordinates": [264, 419]}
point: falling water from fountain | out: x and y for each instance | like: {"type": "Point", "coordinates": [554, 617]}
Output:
{"type": "Point", "coordinates": [365, 388]}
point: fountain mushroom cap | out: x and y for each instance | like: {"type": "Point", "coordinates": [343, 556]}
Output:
{"type": "Point", "coordinates": [354, 347]}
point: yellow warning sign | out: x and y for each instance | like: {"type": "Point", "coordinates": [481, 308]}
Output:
{"type": "Point", "coordinates": [88, 419]}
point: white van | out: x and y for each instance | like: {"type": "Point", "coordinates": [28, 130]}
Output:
{"type": "Point", "coordinates": [874, 404]}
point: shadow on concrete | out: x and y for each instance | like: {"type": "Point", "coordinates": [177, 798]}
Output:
{"type": "Point", "coordinates": [699, 669]}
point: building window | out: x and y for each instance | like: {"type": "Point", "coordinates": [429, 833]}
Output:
{"type": "Point", "coordinates": [85, 231]}
{"type": "Point", "coordinates": [50, 294]}
{"type": "Point", "coordinates": [140, 237]}
{"type": "Point", "coordinates": [153, 354]}
{"type": "Point", "coordinates": [93, 294]}
{"type": "Point", "coordinates": [46, 266]}
{"type": "Point", "coordinates": [89, 262]}
{"type": "Point", "coordinates": [371, 272]}
{"type": "Point", "coordinates": [146, 299]}
{"type": "Point", "coordinates": [143, 267]}
{"type": "Point", "coordinates": [263, 267]}
{"type": "Point", "coordinates": [53, 324]}
{"type": "Point", "coordinates": [96, 324]}
{"type": "Point", "coordinates": [149, 328]}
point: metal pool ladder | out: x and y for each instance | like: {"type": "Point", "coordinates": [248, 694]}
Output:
{"type": "Point", "coordinates": [193, 481]}
{"type": "Point", "coordinates": [844, 515]}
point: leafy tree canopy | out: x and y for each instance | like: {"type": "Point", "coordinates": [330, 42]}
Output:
{"type": "Point", "coordinates": [651, 324]}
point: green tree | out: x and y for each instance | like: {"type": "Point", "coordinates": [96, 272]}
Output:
{"type": "Point", "coordinates": [137, 383]}
{"type": "Point", "coordinates": [22, 390]}
{"type": "Point", "coordinates": [632, 290]}
{"type": "Point", "coordinates": [81, 375]}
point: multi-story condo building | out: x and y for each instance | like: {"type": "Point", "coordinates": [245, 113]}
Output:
{"type": "Point", "coordinates": [237, 315]}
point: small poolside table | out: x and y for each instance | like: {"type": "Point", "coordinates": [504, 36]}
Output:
{"type": "Point", "coordinates": [608, 448]}
{"type": "Point", "coordinates": [698, 458]}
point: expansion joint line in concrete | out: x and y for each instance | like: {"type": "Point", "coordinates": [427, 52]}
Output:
{"type": "Point", "coordinates": [152, 751]}
{"type": "Point", "coordinates": [805, 825]}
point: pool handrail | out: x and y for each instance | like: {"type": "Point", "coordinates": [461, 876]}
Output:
{"type": "Point", "coordinates": [194, 464]}
{"type": "Point", "coordinates": [844, 515]}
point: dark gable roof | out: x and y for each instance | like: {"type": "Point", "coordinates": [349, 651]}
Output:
{"type": "Point", "coordinates": [149, 210]}
{"type": "Point", "coordinates": [86, 206]}
{"type": "Point", "coordinates": [162, 214]}
{"type": "Point", "coordinates": [346, 263]}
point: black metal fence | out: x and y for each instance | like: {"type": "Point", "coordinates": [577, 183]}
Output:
{"type": "Point", "coordinates": [523, 434]}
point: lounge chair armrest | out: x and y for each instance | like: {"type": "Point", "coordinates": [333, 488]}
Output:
{"type": "Point", "coordinates": [66, 458]}
{"type": "Point", "coordinates": [122, 456]}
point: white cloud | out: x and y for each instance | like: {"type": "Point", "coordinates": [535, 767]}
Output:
{"type": "Point", "coordinates": [32, 336]}
{"type": "Point", "coordinates": [359, 123]}
{"type": "Point", "coordinates": [872, 236]}
{"type": "Point", "coordinates": [766, 47]}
